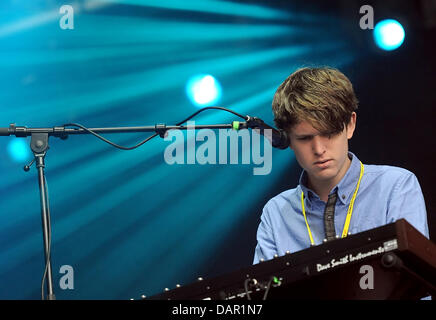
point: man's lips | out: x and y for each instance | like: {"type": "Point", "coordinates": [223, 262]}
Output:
{"type": "Point", "coordinates": [322, 161]}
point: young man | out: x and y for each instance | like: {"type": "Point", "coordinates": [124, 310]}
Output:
{"type": "Point", "coordinates": [337, 194]}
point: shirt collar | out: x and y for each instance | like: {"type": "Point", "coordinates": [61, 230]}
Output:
{"type": "Point", "coordinates": [345, 187]}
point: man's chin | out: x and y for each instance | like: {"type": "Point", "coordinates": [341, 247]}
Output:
{"type": "Point", "coordinates": [324, 175]}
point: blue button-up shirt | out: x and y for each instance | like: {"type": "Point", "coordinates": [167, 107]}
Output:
{"type": "Point", "coordinates": [385, 195]}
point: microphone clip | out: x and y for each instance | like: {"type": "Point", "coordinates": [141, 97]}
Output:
{"type": "Point", "coordinates": [27, 166]}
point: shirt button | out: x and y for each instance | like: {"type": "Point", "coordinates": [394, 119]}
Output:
{"type": "Point", "coordinates": [343, 196]}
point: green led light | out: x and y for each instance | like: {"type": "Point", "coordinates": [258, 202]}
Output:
{"type": "Point", "coordinates": [235, 125]}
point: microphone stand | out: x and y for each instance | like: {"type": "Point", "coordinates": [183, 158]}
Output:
{"type": "Point", "coordinates": [39, 146]}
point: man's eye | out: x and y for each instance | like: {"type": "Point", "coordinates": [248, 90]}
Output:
{"type": "Point", "coordinates": [303, 138]}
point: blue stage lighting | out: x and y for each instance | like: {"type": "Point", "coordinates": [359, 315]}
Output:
{"type": "Point", "coordinates": [389, 34]}
{"type": "Point", "coordinates": [18, 150]}
{"type": "Point", "coordinates": [203, 90]}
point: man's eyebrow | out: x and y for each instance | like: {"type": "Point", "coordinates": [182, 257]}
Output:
{"type": "Point", "coordinates": [305, 135]}
{"type": "Point", "coordinates": [311, 135]}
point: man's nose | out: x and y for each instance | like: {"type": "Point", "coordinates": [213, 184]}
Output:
{"type": "Point", "coordinates": [318, 146]}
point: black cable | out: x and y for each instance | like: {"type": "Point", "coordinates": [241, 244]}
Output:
{"type": "Point", "coordinates": [267, 288]}
{"type": "Point", "coordinates": [246, 288]}
{"type": "Point", "coordinates": [47, 258]}
{"type": "Point", "coordinates": [216, 108]}
{"type": "Point", "coordinates": [108, 141]}
{"type": "Point", "coordinates": [152, 136]}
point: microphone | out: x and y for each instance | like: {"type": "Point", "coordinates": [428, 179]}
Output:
{"type": "Point", "coordinates": [280, 138]}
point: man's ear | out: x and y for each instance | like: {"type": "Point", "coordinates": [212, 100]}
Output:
{"type": "Point", "coordinates": [351, 126]}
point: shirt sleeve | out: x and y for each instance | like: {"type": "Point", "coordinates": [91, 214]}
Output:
{"type": "Point", "coordinates": [408, 202]}
{"type": "Point", "coordinates": [265, 248]}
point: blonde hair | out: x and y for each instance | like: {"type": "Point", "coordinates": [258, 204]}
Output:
{"type": "Point", "coordinates": [324, 97]}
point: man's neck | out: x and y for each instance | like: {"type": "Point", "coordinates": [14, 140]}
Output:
{"type": "Point", "coordinates": [323, 187]}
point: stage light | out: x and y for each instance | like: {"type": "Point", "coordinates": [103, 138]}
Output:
{"type": "Point", "coordinates": [389, 34]}
{"type": "Point", "coordinates": [18, 150]}
{"type": "Point", "coordinates": [203, 90]}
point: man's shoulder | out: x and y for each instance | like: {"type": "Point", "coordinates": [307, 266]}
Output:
{"type": "Point", "coordinates": [386, 172]}
{"type": "Point", "coordinates": [283, 197]}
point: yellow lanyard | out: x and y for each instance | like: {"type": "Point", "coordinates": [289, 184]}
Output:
{"type": "Point", "coordinates": [349, 212]}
